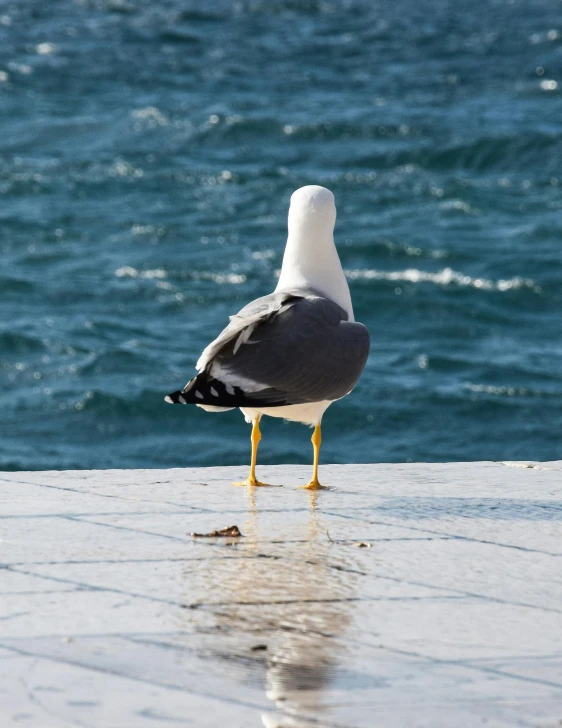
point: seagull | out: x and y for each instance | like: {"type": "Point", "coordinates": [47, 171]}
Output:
{"type": "Point", "coordinates": [292, 353]}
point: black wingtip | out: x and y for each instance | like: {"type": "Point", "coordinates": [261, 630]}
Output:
{"type": "Point", "coordinates": [208, 391]}
{"type": "Point", "coordinates": [175, 398]}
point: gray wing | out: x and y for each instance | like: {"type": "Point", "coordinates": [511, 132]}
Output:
{"type": "Point", "coordinates": [306, 349]}
{"type": "Point", "coordinates": [243, 323]}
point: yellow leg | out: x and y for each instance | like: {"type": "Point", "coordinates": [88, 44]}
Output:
{"type": "Point", "coordinates": [316, 440]}
{"type": "Point", "coordinates": [255, 439]}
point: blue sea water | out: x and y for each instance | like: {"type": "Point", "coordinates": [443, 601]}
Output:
{"type": "Point", "coordinates": [148, 151]}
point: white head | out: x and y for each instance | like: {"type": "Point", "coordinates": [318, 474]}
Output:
{"type": "Point", "coordinates": [312, 213]}
{"type": "Point", "coordinates": [311, 260]}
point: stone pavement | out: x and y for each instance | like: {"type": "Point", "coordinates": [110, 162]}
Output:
{"type": "Point", "coordinates": [415, 596]}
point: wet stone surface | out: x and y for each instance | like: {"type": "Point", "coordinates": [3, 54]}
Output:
{"type": "Point", "coordinates": [409, 595]}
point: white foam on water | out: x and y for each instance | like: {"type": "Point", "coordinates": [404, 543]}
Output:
{"type": "Point", "coordinates": [127, 271]}
{"type": "Point", "coordinates": [151, 116]}
{"type": "Point", "coordinates": [234, 279]}
{"type": "Point", "coordinates": [499, 390]}
{"type": "Point", "coordinates": [444, 277]}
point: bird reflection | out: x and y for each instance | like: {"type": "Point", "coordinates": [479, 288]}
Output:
{"type": "Point", "coordinates": [289, 601]}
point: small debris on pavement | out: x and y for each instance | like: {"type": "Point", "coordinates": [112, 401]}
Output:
{"type": "Point", "coordinates": [362, 545]}
{"type": "Point", "coordinates": [229, 532]}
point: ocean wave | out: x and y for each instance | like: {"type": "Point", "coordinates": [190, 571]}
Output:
{"type": "Point", "coordinates": [97, 403]}
{"type": "Point", "coordinates": [16, 286]}
{"type": "Point", "coordinates": [444, 277]}
{"type": "Point", "coordinates": [150, 116]}
{"type": "Point", "coordinates": [508, 391]}
{"type": "Point", "coordinates": [16, 344]}
{"type": "Point", "coordinates": [484, 153]}
{"type": "Point", "coordinates": [400, 147]}
{"type": "Point", "coordinates": [116, 362]}
{"type": "Point", "coordinates": [234, 279]}
{"type": "Point", "coordinates": [128, 271]}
